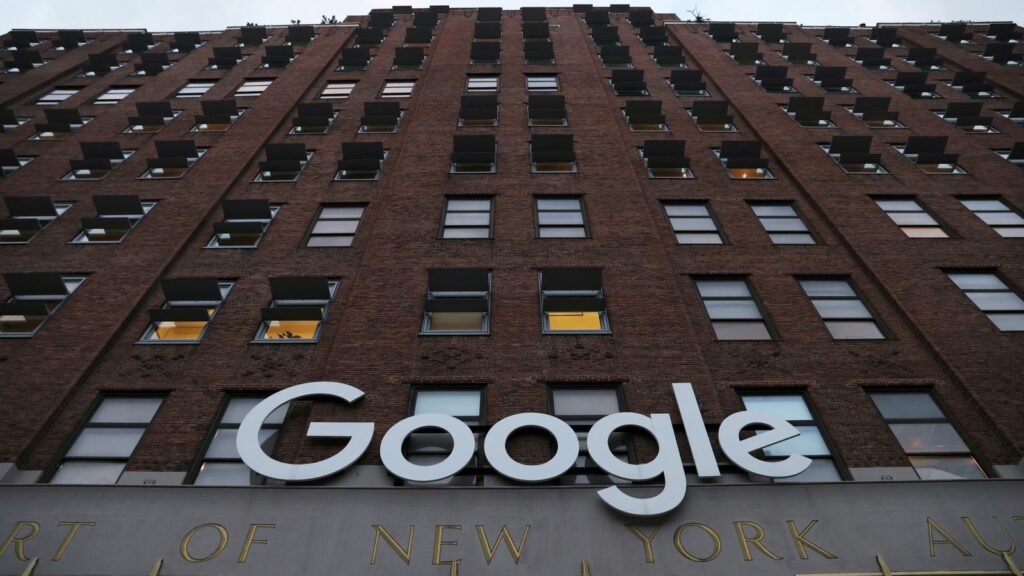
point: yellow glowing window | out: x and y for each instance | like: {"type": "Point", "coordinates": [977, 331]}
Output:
{"type": "Point", "coordinates": [297, 310]}
{"type": "Point", "coordinates": [572, 300]}
{"type": "Point", "coordinates": [34, 298]}
{"type": "Point", "coordinates": [574, 321]}
{"type": "Point", "coordinates": [191, 305]}
{"type": "Point", "coordinates": [291, 329]}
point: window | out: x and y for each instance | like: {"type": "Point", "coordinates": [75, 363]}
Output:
{"type": "Point", "coordinates": [152, 64]}
{"type": "Point", "coordinates": [734, 312]}
{"type": "Point", "coordinates": [935, 448]}
{"type": "Point", "coordinates": [928, 153]}
{"type": "Point", "coordinates": [1006, 221]}
{"type": "Point", "coordinates": [560, 217]}
{"type": "Point", "coordinates": [338, 90]}
{"type": "Point", "coordinates": [297, 310]}
{"type": "Point", "coordinates": [742, 159]}
{"type": "Point", "coordinates": [9, 120]}
{"type": "Point", "coordinates": [174, 158]}
{"type": "Point", "coordinates": [152, 117]}
{"type": "Point", "coordinates": [458, 301]}
{"type": "Point", "coordinates": [833, 79]}
{"type": "Point", "coordinates": [397, 88]}
{"type": "Point", "coordinates": [11, 162]}
{"type": "Point", "coordinates": [427, 448]}
{"type": "Point", "coordinates": [782, 223]}
{"type": "Point", "coordinates": [773, 79]}
{"type": "Point", "coordinates": [27, 216]}
{"type": "Point", "coordinates": [580, 408]}
{"type": "Point", "coordinates": [666, 159]}
{"type": "Point", "coordinates": [474, 154]}
{"type": "Point", "coordinates": [254, 87]}
{"type": "Point", "coordinates": [914, 84]}
{"type": "Point", "coordinates": [56, 96]}
{"type": "Point", "coordinates": [217, 116]}
{"type": "Point", "coordinates": [875, 112]}
{"type": "Point", "coordinates": [106, 442]}
{"type": "Point", "coordinates": [313, 118]}
{"type": "Point", "coordinates": [380, 117]}
{"type": "Point", "coordinates": [712, 116]}
{"type": "Point", "coordinates": [190, 305]}
{"type": "Point", "coordinates": [467, 217]}
{"type": "Point", "coordinates": [688, 83]}
{"type": "Point", "coordinates": [361, 161]}
{"type": "Point", "coordinates": [667, 56]}
{"type": "Point", "coordinates": [572, 301]}
{"type": "Point", "coordinates": [552, 153]}
{"type": "Point", "coordinates": [245, 222]}
{"type": "Point", "coordinates": [221, 464]}
{"type": "Point", "coordinates": [745, 53]}
{"type": "Point", "coordinates": [692, 222]}
{"type": "Point", "coordinates": [195, 88]}
{"type": "Point", "coordinates": [335, 225]}
{"type": "Point", "coordinates": [225, 58]}
{"type": "Point", "coordinates": [277, 56]}
{"type": "Point", "coordinates": [811, 442]}
{"type": "Point", "coordinates": [478, 110]}
{"type": "Point", "coordinates": [542, 83]}
{"type": "Point", "coordinates": [35, 296]}
{"type": "Point", "coordinates": [485, 52]}
{"type": "Point", "coordinates": [481, 83]}
{"type": "Point", "coordinates": [99, 159]}
{"type": "Point", "coordinates": [966, 116]}
{"type": "Point", "coordinates": [59, 123]}
{"type": "Point", "coordinates": [1014, 155]}
{"type": "Point", "coordinates": [993, 297]}
{"type": "Point", "coordinates": [645, 116]}
{"type": "Point", "coordinates": [844, 314]}
{"type": "Point", "coordinates": [629, 83]}
{"type": "Point", "coordinates": [115, 217]}
{"type": "Point", "coordinates": [809, 112]}
{"type": "Point", "coordinates": [538, 51]}
{"type": "Point", "coordinates": [911, 217]}
{"type": "Point", "coordinates": [408, 58]}
{"type": "Point", "coordinates": [284, 162]}
{"type": "Point", "coordinates": [615, 56]}
{"type": "Point", "coordinates": [546, 110]}
{"type": "Point", "coordinates": [115, 94]}
{"type": "Point", "coordinates": [853, 154]}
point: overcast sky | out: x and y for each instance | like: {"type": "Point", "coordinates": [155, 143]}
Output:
{"type": "Point", "coordinates": [167, 15]}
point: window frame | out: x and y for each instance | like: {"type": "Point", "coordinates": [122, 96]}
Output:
{"type": "Point", "coordinates": [445, 211]}
{"type": "Point", "coordinates": [921, 210]}
{"type": "Point", "coordinates": [706, 204]}
{"type": "Point", "coordinates": [394, 83]}
{"type": "Point", "coordinates": [545, 324]}
{"type": "Point", "coordinates": [148, 174]}
{"type": "Point", "coordinates": [250, 83]}
{"type": "Point", "coordinates": [773, 336]}
{"type": "Point", "coordinates": [540, 77]}
{"type": "Point", "coordinates": [485, 323]}
{"type": "Point", "coordinates": [180, 93]}
{"type": "Point", "coordinates": [59, 207]}
{"type": "Point", "coordinates": [574, 479]}
{"type": "Point", "coordinates": [75, 280]}
{"type": "Point", "coordinates": [119, 90]}
{"type": "Point", "coordinates": [83, 235]}
{"type": "Point", "coordinates": [213, 243]}
{"type": "Point", "coordinates": [884, 333]}
{"type": "Point", "coordinates": [582, 211]}
{"type": "Point", "coordinates": [225, 287]}
{"type": "Point", "coordinates": [316, 219]}
{"type": "Point", "coordinates": [753, 204]}
{"type": "Point", "coordinates": [993, 272]}
{"type": "Point", "coordinates": [197, 465]}
{"type": "Point", "coordinates": [880, 169]}
{"type": "Point", "coordinates": [343, 95]}
{"type": "Point", "coordinates": [333, 284]}
{"type": "Point", "coordinates": [1008, 209]}
{"type": "Point", "coordinates": [67, 91]}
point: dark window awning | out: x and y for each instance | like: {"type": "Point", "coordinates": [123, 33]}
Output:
{"type": "Point", "coordinates": [629, 82]}
{"type": "Point", "coordinates": [354, 57]}
{"type": "Point", "coordinates": [1004, 31]}
{"type": "Point", "coordinates": [458, 280]}
{"type": "Point", "coordinates": [101, 63]}
{"type": "Point", "coordinates": [35, 284]}
{"type": "Point", "coordinates": [126, 205]}
{"type": "Point", "coordinates": [711, 112]}
{"type": "Point", "coordinates": [408, 56]}
{"type": "Point", "coordinates": [837, 36]}
{"type": "Point", "coordinates": [488, 15]}
{"type": "Point", "coordinates": [278, 56]}
{"type": "Point", "coordinates": [232, 228]}
{"type": "Point", "coordinates": [381, 113]}
{"type": "Point", "coordinates": [959, 110]}
{"type": "Point", "coordinates": [926, 145]}
{"type": "Point", "coordinates": [559, 279]}
{"type": "Point", "coordinates": [1017, 152]}
{"type": "Point", "coordinates": [596, 17]}
{"type": "Point", "coordinates": [253, 35]}
{"type": "Point", "coordinates": [371, 36]}
{"type": "Point", "coordinates": [573, 304]}
{"type": "Point", "coordinates": [23, 309]}
{"type": "Point", "coordinates": [425, 19]}
{"type": "Point", "coordinates": [653, 35]}
{"type": "Point", "coordinates": [538, 50]}
{"type": "Point", "coordinates": [179, 314]}
{"type": "Point", "coordinates": [615, 55]}
{"type": "Point", "coordinates": [742, 154]}
{"type": "Point", "coordinates": [225, 56]}
{"type": "Point", "coordinates": [69, 39]}
{"type": "Point", "coordinates": [665, 153]}
{"type": "Point", "coordinates": [191, 289]}
{"type": "Point", "coordinates": [808, 108]}
{"type": "Point", "coordinates": [158, 109]}
{"type": "Point", "coordinates": [107, 223]}
{"type": "Point", "coordinates": [798, 51]}
{"type": "Point", "coordinates": [456, 305]}
{"type": "Point", "coordinates": [286, 152]}
{"type": "Point", "coordinates": [473, 148]}
{"type": "Point", "coordinates": [419, 35]}
{"type": "Point", "coordinates": [771, 32]}
{"type": "Point", "coordinates": [644, 112]}
{"type": "Point", "coordinates": [176, 149]}
{"type": "Point", "coordinates": [314, 114]}
{"type": "Point", "coordinates": [246, 209]}
{"type": "Point", "coordinates": [9, 158]}
{"type": "Point", "coordinates": [487, 31]}
{"type": "Point", "coordinates": [552, 148]}
{"type": "Point", "coordinates": [884, 36]}
{"type": "Point", "coordinates": [186, 41]}
{"type": "Point", "coordinates": [403, 9]}
{"type": "Point", "coordinates": [382, 18]}
{"type": "Point", "coordinates": [484, 51]}
{"type": "Point", "coordinates": [30, 206]}
{"type": "Point", "coordinates": [293, 313]}
{"type": "Point", "coordinates": [479, 107]}
{"type": "Point", "coordinates": [687, 80]}
{"type": "Point", "coordinates": [850, 144]}
{"type": "Point", "coordinates": [669, 55]}
{"type": "Point", "coordinates": [745, 51]}
{"type": "Point", "coordinates": [618, 8]}
{"type": "Point", "coordinates": [20, 224]}
{"type": "Point", "coordinates": [300, 288]}
{"type": "Point", "coordinates": [641, 17]}
{"type": "Point", "coordinates": [60, 119]}
{"type": "Point", "coordinates": [105, 150]}
{"type": "Point", "coordinates": [139, 41]}
{"type": "Point", "coordinates": [300, 34]}
{"type": "Point", "coordinates": [361, 155]}
{"type": "Point", "coordinates": [723, 31]}
{"type": "Point", "coordinates": [546, 106]}
{"type": "Point", "coordinates": [534, 14]}
{"type": "Point", "coordinates": [604, 35]}
{"type": "Point", "coordinates": [536, 30]}
{"type": "Point", "coordinates": [217, 111]}
{"type": "Point", "coordinates": [773, 76]}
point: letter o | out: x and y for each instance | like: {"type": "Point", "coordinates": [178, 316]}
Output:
{"type": "Point", "coordinates": [463, 447]}
{"type": "Point", "coordinates": [223, 533]}
{"type": "Point", "coordinates": [678, 539]}
{"type": "Point", "coordinates": [566, 451]}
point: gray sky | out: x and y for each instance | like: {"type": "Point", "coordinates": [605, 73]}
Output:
{"type": "Point", "coordinates": [165, 15]}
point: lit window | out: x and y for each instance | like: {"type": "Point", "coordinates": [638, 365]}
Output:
{"type": "Point", "coordinates": [481, 83]}
{"type": "Point", "coordinates": [458, 301]}
{"type": "Point", "coordinates": [580, 408]}
{"type": "Point", "coordinates": [424, 448]}
{"type": "Point", "coordinates": [397, 88]}
{"type": "Point", "coordinates": [853, 154]}
{"type": "Point", "coordinates": [734, 312]}
{"type": "Point", "coordinates": [27, 216]}
{"type": "Point", "coordinates": [773, 79]}
{"type": "Point", "coordinates": [742, 158]}
{"type": "Point", "coordinates": [115, 217]}
{"type": "Point", "coordinates": [152, 117]}
{"type": "Point", "coordinates": [931, 442]}
{"type": "Point", "coordinates": [688, 83]}
{"type": "Point", "coordinates": [645, 116]}
{"type": "Point", "coordinates": [380, 117]}
{"type": "Point", "coordinates": [911, 217]}
{"type": "Point", "coordinates": [666, 159]}
{"type": "Point", "coordinates": [993, 297]}
{"type": "Point", "coordinates": [337, 90]}
{"type": "Point", "coordinates": [1014, 155]}
{"type": "Point", "coordinates": [56, 96]}
{"type": "Point", "coordinates": [99, 158]}
{"type": "Point", "coordinates": [254, 87]}
{"type": "Point", "coordinates": [572, 301]}
{"type": "Point", "coordinates": [782, 223]}
{"type": "Point", "coordinates": [839, 306]}
{"type": "Point", "coordinates": [217, 116]}
{"type": "Point", "coordinates": [811, 442]}
{"type": "Point", "coordinates": [115, 94]}
{"type": "Point", "coordinates": [174, 158]}
{"type": "Point", "coordinates": [1006, 221]}
{"type": "Point", "coordinates": [297, 310]}
{"type": "Point", "coordinates": [560, 217]}
{"type": "Point", "coordinates": [105, 444]}
{"type": "Point", "coordinates": [467, 217]}
{"type": "Point", "coordinates": [221, 465]}
{"type": "Point", "coordinates": [474, 154]}
{"type": "Point", "coordinates": [313, 118]}
{"type": "Point", "coordinates": [335, 225]}
{"type": "Point", "coordinates": [928, 152]}
{"type": "Point", "coordinates": [692, 222]}
{"type": "Point", "coordinates": [478, 110]}
{"type": "Point", "coordinates": [35, 296]}
{"type": "Point", "coordinates": [353, 59]}
{"type": "Point", "coordinates": [809, 112]}
{"type": "Point", "coordinates": [245, 222]}
{"type": "Point", "coordinates": [59, 123]}
{"type": "Point", "coordinates": [361, 161]}
{"type": "Point", "coordinates": [195, 88]}
{"type": "Point", "coordinates": [547, 110]}
{"type": "Point", "coordinates": [541, 83]}
{"type": "Point", "coordinates": [712, 116]}
{"type": "Point", "coordinates": [875, 112]}
{"type": "Point", "coordinates": [189, 307]}
{"type": "Point", "coordinates": [284, 162]}
{"type": "Point", "coordinates": [552, 153]}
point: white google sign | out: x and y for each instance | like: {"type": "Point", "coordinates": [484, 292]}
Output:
{"type": "Point", "coordinates": [668, 462]}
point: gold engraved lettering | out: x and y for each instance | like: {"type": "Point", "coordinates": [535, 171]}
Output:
{"type": "Point", "coordinates": [31, 568]}
{"type": "Point", "coordinates": [222, 532]}
{"type": "Point", "coordinates": [157, 567]}
{"type": "Point", "coordinates": [645, 540]}
{"type": "Point", "coordinates": [756, 539]}
{"type": "Point", "coordinates": [19, 541]}
{"type": "Point", "coordinates": [380, 532]}
{"type": "Point", "coordinates": [250, 539]}
{"type": "Point", "coordinates": [67, 539]}
{"type": "Point", "coordinates": [978, 538]}
{"type": "Point", "coordinates": [934, 527]}
{"type": "Point", "coordinates": [489, 551]}
{"type": "Point", "coordinates": [440, 541]}
{"type": "Point", "coordinates": [800, 539]}
{"type": "Point", "coordinates": [584, 568]}
{"type": "Point", "coordinates": [678, 539]}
